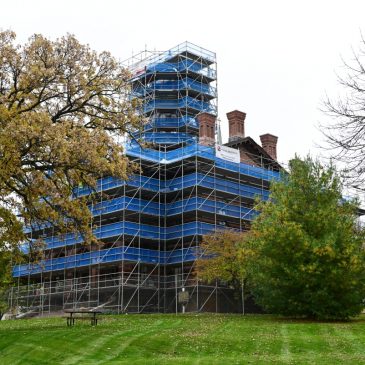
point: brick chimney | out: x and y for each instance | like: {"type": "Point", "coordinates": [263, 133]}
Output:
{"type": "Point", "coordinates": [268, 143]}
{"type": "Point", "coordinates": [236, 122]}
{"type": "Point", "coordinates": [206, 129]}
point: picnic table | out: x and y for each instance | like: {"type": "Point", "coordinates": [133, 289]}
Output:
{"type": "Point", "coordinates": [81, 314]}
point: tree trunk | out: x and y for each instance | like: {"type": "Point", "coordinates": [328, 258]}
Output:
{"type": "Point", "coordinates": [243, 297]}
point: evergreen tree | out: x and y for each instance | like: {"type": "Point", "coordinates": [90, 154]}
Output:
{"type": "Point", "coordinates": [309, 257]}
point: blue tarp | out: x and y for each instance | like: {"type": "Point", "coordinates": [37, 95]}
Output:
{"type": "Point", "coordinates": [114, 254]}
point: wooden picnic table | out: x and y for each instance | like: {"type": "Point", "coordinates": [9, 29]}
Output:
{"type": "Point", "coordinates": [73, 315]}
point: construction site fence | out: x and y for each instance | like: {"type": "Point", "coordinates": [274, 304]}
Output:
{"type": "Point", "coordinates": [180, 103]}
{"type": "Point", "coordinates": [173, 122]}
{"type": "Point", "coordinates": [177, 183]}
{"type": "Point", "coordinates": [114, 254]}
{"type": "Point", "coordinates": [113, 280]}
{"type": "Point", "coordinates": [183, 66]}
{"type": "Point", "coordinates": [133, 149]}
{"type": "Point", "coordinates": [181, 84]}
{"type": "Point", "coordinates": [159, 209]}
{"type": "Point", "coordinates": [124, 227]}
{"type": "Point", "coordinates": [134, 64]}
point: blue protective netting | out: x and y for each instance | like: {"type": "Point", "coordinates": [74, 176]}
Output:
{"type": "Point", "coordinates": [197, 80]}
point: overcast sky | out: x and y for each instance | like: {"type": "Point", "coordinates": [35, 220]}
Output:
{"type": "Point", "coordinates": [276, 59]}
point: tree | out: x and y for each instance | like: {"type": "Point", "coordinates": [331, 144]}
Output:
{"type": "Point", "coordinates": [345, 133]}
{"type": "Point", "coordinates": [309, 253]}
{"type": "Point", "coordinates": [6, 260]}
{"type": "Point", "coordinates": [63, 107]}
{"type": "Point", "coordinates": [226, 254]}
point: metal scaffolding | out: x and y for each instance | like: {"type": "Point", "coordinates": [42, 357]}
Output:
{"type": "Point", "coordinates": [150, 226]}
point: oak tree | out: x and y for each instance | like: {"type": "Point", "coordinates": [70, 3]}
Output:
{"type": "Point", "coordinates": [62, 107]}
{"type": "Point", "coordinates": [63, 110]}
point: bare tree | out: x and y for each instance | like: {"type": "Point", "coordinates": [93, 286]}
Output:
{"type": "Point", "coordinates": [345, 133]}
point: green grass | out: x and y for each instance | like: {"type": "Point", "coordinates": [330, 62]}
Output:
{"type": "Point", "coordinates": [182, 339]}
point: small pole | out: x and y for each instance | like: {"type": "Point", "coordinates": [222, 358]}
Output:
{"type": "Point", "coordinates": [176, 294]}
{"type": "Point", "coordinates": [183, 307]}
{"type": "Point", "coordinates": [243, 296]}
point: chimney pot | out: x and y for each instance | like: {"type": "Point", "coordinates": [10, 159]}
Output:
{"type": "Point", "coordinates": [269, 143]}
{"type": "Point", "coordinates": [206, 129]}
{"type": "Point", "coordinates": [236, 122]}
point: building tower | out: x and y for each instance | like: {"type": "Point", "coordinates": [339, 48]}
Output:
{"type": "Point", "coordinates": [151, 226]}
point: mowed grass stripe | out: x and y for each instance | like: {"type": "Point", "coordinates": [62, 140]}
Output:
{"type": "Point", "coordinates": [183, 339]}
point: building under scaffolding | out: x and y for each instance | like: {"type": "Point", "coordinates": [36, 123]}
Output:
{"type": "Point", "coordinates": [151, 225]}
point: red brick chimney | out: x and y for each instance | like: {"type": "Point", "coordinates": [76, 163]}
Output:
{"type": "Point", "coordinates": [236, 122]}
{"type": "Point", "coordinates": [269, 142]}
{"type": "Point", "coordinates": [206, 129]}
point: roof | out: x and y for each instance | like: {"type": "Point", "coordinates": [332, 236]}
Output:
{"type": "Point", "coordinates": [256, 152]}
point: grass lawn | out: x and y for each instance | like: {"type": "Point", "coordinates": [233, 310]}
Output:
{"type": "Point", "coordinates": [183, 339]}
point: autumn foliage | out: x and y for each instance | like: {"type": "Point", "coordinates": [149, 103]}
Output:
{"type": "Point", "coordinates": [63, 108]}
{"type": "Point", "coordinates": [225, 257]}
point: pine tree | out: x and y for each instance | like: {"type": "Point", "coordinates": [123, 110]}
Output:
{"type": "Point", "coordinates": [309, 254]}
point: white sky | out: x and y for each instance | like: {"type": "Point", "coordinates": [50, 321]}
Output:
{"type": "Point", "coordinates": [276, 59]}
